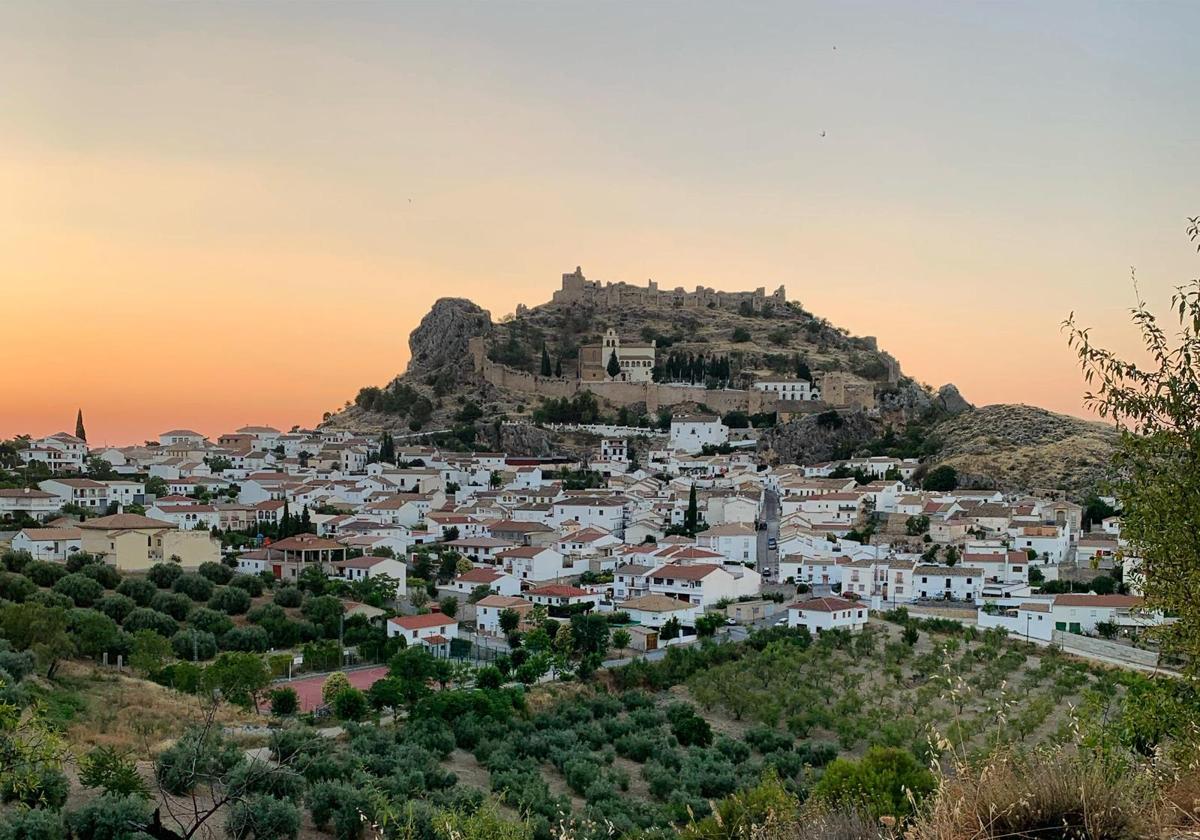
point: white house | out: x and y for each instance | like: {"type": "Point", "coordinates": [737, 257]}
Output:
{"type": "Point", "coordinates": [657, 610]}
{"type": "Point", "coordinates": [951, 583]}
{"type": "Point", "coordinates": [90, 495]}
{"type": "Point", "coordinates": [820, 614]}
{"type": "Point", "coordinates": [703, 583]}
{"type": "Point", "coordinates": [367, 567]}
{"type": "Point", "coordinates": [187, 517]}
{"type": "Point", "coordinates": [182, 437]}
{"type": "Point", "coordinates": [531, 562]}
{"type": "Point", "coordinates": [796, 390]}
{"type": "Point", "coordinates": [488, 610]}
{"type": "Point", "coordinates": [735, 541]}
{"type": "Point", "coordinates": [562, 595]}
{"type": "Point", "coordinates": [60, 452]}
{"type": "Point", "coordinates": [591, 511]}
{"type": "Point", "coordinates": [36, 504]}
{"type": "Point", "coordinates": [497, 582]}
{"type": "Point", "coordinates": [692, 432]}
{"type": "Point", "coordinates": [433, 630]}
{"type": "Point", "coordinates": [55, 544]}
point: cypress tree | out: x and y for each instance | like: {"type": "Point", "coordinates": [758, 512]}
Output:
{"type": "Point", "coordinates": [614, 367]}
{"type": "Point", "coordinates": [285, 523]}
{"type": "Point", "coordinates": [558, 367]}
{"type": "Point", "coordinates": [305, 522]}
{"type": "Point", "coordinates": [693, 513]}
{"type": "Point", "coordinates": [80, 432]}
{"type": "Point", "coordinates": [545, 361]}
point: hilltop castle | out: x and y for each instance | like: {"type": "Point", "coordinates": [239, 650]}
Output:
{"type": "Point", "coordinates": [578, 289]}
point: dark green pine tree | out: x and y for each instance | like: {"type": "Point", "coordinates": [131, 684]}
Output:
{"type": "Point", "coordinates": [285, 523]}
{"type": "Point", "coordinates": [692, 517]}
{"type": "Point", "coordinates": [558, 367]}
{"type": "Point", "coordinates": [387, 448]}
{"type": "Point", "coordinates": [545, 361]}
{"type": "Point", "coordinates": [80, 432]}
{"type": "Point", "coordinates": [305, 522]}
{"type": "Point", "coordinates": [614, 367]}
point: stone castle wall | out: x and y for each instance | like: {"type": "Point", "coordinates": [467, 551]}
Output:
{"type": "Point", "coordinates": [578, 289]}
{"type": "Point", "coordinates": [653, 394]}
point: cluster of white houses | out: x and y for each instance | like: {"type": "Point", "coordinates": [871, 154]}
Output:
{"type": "Point", "coordinates": [532, 542]}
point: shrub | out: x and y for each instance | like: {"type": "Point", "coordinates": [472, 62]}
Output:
{"type": "Point", "coordinates": [144, 618]}
{"type": "Point", "coordinates": [43, 573]}
{"type": "Point", "coordinates": [174, 604]}
{"type": "Point", "coordinates": [284, 701]}
{"type": "Point", "coordinates": [110, 817]}
{"type": "Point", "coordinates": [80, 588]}
{"type": "Point", "coordinates": [104, 574]}
{"type": "Point", "coordinates": [880, 782]}
{"type": "Point", "coordinates": [246, 639]}
{"type": "Point", "coordinates": [196, 758]}
{"type": "Point", "coordinates": [17, 665]}
{"type": "Point", "coordinates": [230, 600]}
{"type": "Point", "coordinates": [218, 573]}
{"type": "Point", "coordinates": [194, 586]}
{"type": "Point", "coordinates": [47, 787]}
{"type": "Point", "coordinates": [350, 704]}
{"type": "Point", "coordinates": [192, 644]}
{"type": "Point", "coordinates": [210, 621]}
{"type": "Point", "coordinates": [334, 684]}
{"type": "Point", "coordinates": [164, 575]}
{"type": "Point", "coordinates": [140, 590]}
{"type": "Point", "coordinates": [263, 817]}
{"type": "Point", "coordinates": [1065, 793]}
{"type": "Point", "coordinates": [688, 727]}
{"type": "Point", "coordinates": [116, 606]}
{"type": "Point", "coordinates": [16, 588]}
{"type": "Point", "coordinates": [32, 824]}
{"type": "Point", "coordinates": [288, 596]}
{"type": "Point", "coordinates": [252, 584]}
{"type": "Point", "coordinates": [111, 771]}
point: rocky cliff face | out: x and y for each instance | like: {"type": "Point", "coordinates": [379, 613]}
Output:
{"type": "Point", "coordinates": [440, 340]}
{"type": "Point", "coordinates": [816, 437]}
{"type": "Point", "coordinates": [1018, 447]}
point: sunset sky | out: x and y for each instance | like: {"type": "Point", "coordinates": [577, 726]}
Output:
{"type": "Point", "coordinates": [214, 214]}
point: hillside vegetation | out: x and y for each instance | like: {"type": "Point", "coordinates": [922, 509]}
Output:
{"type": "Point", "coordinates": [1019, 447]}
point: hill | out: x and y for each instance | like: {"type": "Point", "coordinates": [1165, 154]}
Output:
{"type": "Point", "coordinates": [758, 334]}
{"type": "Point", "coordinates": [1019, 447]}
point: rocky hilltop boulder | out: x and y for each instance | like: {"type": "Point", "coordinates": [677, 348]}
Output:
{"type": "Point", "coordinates": [440, 340]}
{"type": "Point", "coordinates": [1019, 447]}
{"type": "Point", "coordinates": [949, 400]}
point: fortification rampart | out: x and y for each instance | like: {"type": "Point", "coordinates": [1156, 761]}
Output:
{"type": "Point", "coordinates": [653, 394]}
{"type": "Point", "coordinates": [578, 289]}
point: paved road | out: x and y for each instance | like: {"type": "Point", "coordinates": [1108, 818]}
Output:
{"type": "Point", "coordinates": [768, 558]}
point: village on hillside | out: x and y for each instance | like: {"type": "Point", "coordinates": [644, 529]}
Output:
{"type": "Point", "coordinates": [458, 551]}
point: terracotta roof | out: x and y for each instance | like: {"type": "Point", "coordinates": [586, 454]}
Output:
{"type": "Point", "coordinates": [25, 493]}
{"type": "Point", "coordinates": [559, 590]}
{"type": "Point", "coordinates": [51, 533]}
{"type": "Point", "coordinates": [306, 542]}
{"type": "Point", "coordinates": [419, 622]}
{"type": "Point", "coordinates": [1087, 600]}
{"type": "Point", "coordinates": [825, 605]}
{"type": "Point", "coordinates": [503, 601]}
{"type": "Point", "coordinates": [655, 603]}
{"type": "Point", "coordinates": [697, 572]}
{"type": "Point", "coordinates": [480, 576]}
{"type": "Point", "coordinates": [124, 522]}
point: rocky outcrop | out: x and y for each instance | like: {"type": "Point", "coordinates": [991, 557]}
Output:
{"type": "Point", "coordinates": [950, 401]}
{"type": "Point", "coordinates": [816, 437]}
{"type": "Point", "coordinates": [440, 340]}
{"type": "Point", "coordinates": [1019, 447]}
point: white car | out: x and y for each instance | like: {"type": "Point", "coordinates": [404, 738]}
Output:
{"type": "Point", "coordinates": [781, 622]}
